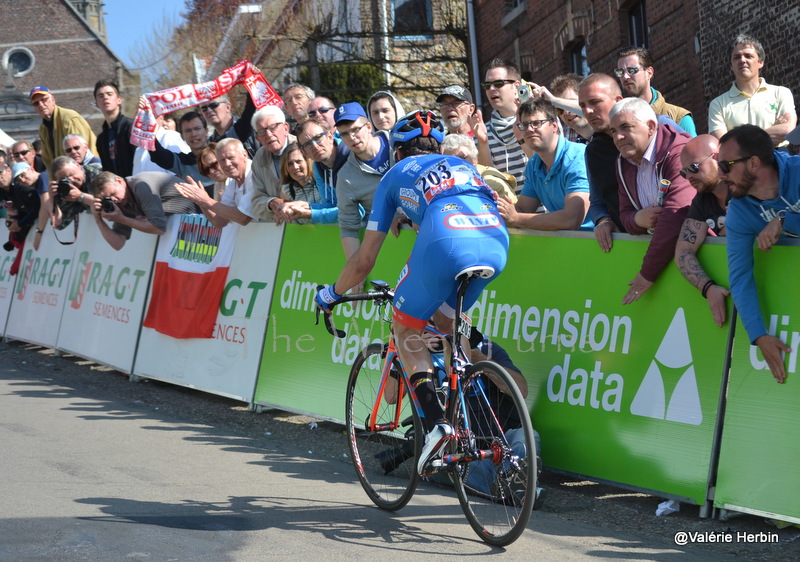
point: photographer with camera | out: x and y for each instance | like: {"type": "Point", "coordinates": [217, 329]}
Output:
{"type": "Point", "coordinates": [21, 203]}
{"type": "Point", "coordinates": [140, 202]}
{"type": "Point", "coordinates": [69, 191]}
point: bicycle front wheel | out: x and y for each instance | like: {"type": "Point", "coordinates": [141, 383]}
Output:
{"type": "Point", "coordinates": [498, 492]}
{"type": "Point", "coordinates": [385, 439]}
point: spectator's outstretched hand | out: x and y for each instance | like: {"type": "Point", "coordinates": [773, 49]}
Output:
{"type": "Point", "coordinates": [639, 286]}
{"type": "Point", "coordinates": [192, 190]}
{"type": "Point", "coordinates": [716, 302]}
{"type": "Point", "coordinates": [603, 234]}
{"type": "Point", "coordinates": [771, 348]}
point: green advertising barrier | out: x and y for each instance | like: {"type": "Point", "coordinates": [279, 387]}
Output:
{"type": "Point", "coordinates": [760, 449]}
{"type": "Point", "coordinates": [619, 393]}
{"type": "Point", "coordinates": [305, 369]}
{"type": "Point", "coordinates": [623, 393]}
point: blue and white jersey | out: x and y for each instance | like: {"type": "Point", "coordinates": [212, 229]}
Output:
{"type": "Point", "coordinates": [414, 183]}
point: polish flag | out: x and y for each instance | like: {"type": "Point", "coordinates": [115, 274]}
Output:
{"type": "Point", "coordinates": [192, 263]}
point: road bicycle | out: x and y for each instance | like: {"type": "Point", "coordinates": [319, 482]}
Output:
{"type": "Point", "coordinates": [491, 461]}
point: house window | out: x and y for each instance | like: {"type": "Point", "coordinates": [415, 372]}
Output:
{"type": "Point", "coordinates": [412, 18]}
{"type": "Point", "coordinates": [577, 59]}
{"type": "Point", "coordinates": [637, 25]}
{"type": "Point", "coordinates": [20, 60]}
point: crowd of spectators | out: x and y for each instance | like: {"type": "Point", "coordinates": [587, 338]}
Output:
{"type": "Point", "coordinates": [605, 153]}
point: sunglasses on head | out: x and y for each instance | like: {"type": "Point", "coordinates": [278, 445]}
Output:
{"type": "Point", "coordinates": [212, 105]}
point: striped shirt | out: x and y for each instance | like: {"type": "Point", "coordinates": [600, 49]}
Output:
{"type": "Point", "coordinates": [507, 153]}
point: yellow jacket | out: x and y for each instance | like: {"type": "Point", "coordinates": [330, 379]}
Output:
{"type": "Point", "coordinates": [65, 122]}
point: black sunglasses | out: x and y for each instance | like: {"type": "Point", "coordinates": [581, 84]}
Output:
{"type": "Point", "coordinates": [212, 105]}
{"type": "Point", "coordinates": [725, 165]}
{"type": "Point", "coordinates": [321, 111]}
{"type": "Point", "coordinates": [693, 168]}
{"type": "Point", "coordinates": [496, 83]}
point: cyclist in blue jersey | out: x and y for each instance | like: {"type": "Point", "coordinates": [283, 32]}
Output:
{"type": "Point", "coordinates": [458, 227]}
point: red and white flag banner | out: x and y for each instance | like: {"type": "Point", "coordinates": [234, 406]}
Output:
{"type": "Point", "coordinates": [192, 263]}
{"type": "Point", "coordinates": [143, 133]}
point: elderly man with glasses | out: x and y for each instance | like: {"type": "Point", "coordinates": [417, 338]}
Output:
{"type": "Point", "coordinates": [76, 147]}
{"type": "Point", "coordinates": [765, 207]}
{"type": "Point", "coordinates": [635, 71]}
{"type": "Point", "coordinates": [57, 123]}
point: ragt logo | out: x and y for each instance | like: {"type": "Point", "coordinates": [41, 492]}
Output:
{"type": "Point", "coordinates": [674, 352]}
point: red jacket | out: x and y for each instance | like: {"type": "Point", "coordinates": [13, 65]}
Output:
{"type": "Point", "coordinates": [669, 144]}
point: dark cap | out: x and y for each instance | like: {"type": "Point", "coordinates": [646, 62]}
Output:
{"type": "Point", "coordinates": [458, 92]}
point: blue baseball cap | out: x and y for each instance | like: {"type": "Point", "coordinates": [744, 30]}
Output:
{"type": "Point", "coordinates": [18, 168]}
{"type": "Point", "coordinates": [37, 90]}
{"type": "Point", "coordinates": [349, 112]}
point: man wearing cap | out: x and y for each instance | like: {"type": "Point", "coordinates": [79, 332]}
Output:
{"type": "Point", "coordinates": [25, 202]}
{"type": "Point", "coordinates": [370, 158]}
{"type": "Point", "coordinates": [456, 107]}
{"type": "Point", "coordinates": [57, 123]}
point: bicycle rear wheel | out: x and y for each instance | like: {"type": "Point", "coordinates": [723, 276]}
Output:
{"type": "Point", "coordinates": [385, 460]}
{"type": "Point", "coordinates": [497, 493]}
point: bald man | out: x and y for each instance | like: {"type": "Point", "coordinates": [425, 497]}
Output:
{"type": "Point", "coordinates": [706, 215]}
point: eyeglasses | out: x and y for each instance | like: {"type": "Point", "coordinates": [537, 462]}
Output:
{"type": "Point", "coordinates": [496, 83]}
{"type": "Point", "coordinates": [353, 131]}
{"type": "Point", "coordinates": [20, 154]}
{"type": "Point", "coordinates": [631, 70]}
{"type": "Point", "coordinates": [451, 105]}
{"type": "Point", "coordinates": [537, 124]}
{"type": "Point", "coordinates": [317, 139]}
{"type": "Point", "coordinates": [693, 168]}
{"type": "Point", "coordinates": [193, 130]}
{"type": "Point", "coordinates": [725, 165]}
{"type": "Point", "coordinates": [321, 111]}
{"type": "Point", "coordinates": [72, 148]}
{"type": "Point", "coordinates": [271, 128]}
{"type": "Point", "coordinates": [212, 105]}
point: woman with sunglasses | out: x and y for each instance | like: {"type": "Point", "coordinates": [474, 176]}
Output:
{"type": "Point", "coordinates": [209, 166]}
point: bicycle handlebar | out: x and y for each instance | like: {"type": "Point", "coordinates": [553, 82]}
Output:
{"type": "Point", "coordinates": [382, 293]}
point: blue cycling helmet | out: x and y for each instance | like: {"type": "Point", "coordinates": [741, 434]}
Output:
{"type": "Point", "coordinates": [417, 124]}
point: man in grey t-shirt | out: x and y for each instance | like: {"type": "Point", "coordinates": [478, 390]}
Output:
{"type": "Point", "coordinates": [140, 202]}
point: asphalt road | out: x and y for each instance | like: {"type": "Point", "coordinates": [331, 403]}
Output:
{"type": "Point", "coordinates": [97, 478]}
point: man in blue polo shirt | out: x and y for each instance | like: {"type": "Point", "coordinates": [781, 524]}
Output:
{"type": "Point", "coordinates": [555, 176]}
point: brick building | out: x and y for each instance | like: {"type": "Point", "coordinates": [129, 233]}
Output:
{"type": "Point", "coordinates": [49, 42]}
{"type": "Point", "coordinates": [689, 40]}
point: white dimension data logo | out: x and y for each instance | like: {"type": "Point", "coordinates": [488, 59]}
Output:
{"type": "Point", "coordinates": [674, 352]}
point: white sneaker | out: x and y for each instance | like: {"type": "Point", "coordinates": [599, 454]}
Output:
{"type": "Point", "coordinates": [435, 441]}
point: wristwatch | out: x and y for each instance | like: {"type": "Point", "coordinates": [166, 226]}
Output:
{"type": "Point", "coordinates": [781, 216]}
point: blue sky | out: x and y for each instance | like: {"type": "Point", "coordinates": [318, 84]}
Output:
{"type": "Point", "coordinates": [130, 21]}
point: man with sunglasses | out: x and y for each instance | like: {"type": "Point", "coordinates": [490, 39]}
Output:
{"type": "Point", "coordinates": [554, 177]}
{"type": "Point", "coordinates": [227, 125]}
{"type": "Point", "coordinates": [750, 99]}
{"type": "Point", "coordinates": [76, 147]}
{"type": "Point", "coordinates": [57, 123]}
{"type": "Point", "coordinates": [504, 149]}
{"type": "Point", "coordinates": [707, 212]}
{"type": "Point", "coordinates": [370, 158]}
{"type": "Point", "coordinates": [22, 151]}
{"type": "Point", "coordinates": [649, 153]}
{"type": "Point", "coordinates": [321, 109]}
{"type": "Point", "coordinates": [114, 142]}
{"type": "Point", "coordinates": [765, 206]}
{"type": "Point", "coordinates": [635, 71]}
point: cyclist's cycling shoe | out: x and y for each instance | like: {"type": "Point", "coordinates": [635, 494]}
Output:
{"type": "Point", "coordinates": [435, 441]}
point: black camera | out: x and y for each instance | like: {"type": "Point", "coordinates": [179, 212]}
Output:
{"type": "Point", "coordinates": [107, 204]}
{"type": "Point", "coordinates": [64, 186]}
